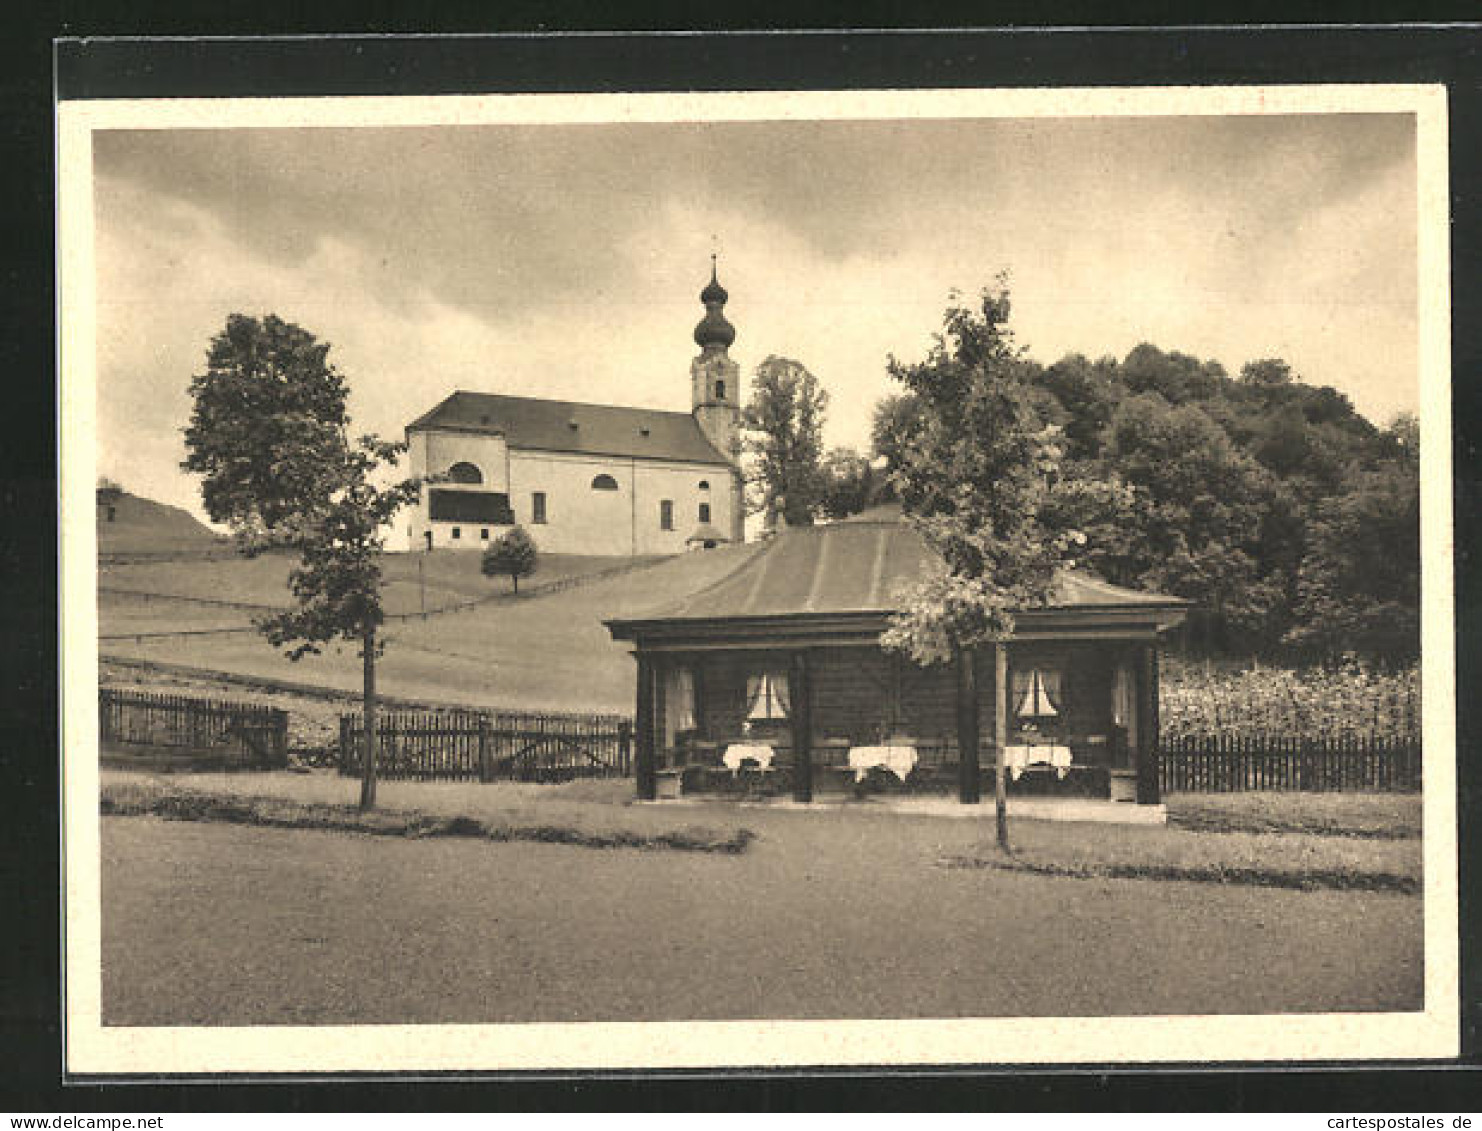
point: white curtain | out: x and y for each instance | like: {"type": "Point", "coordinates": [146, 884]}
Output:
{"type": "Point", "coordinates": [679, 701]}
{"type": "Point", "coordinates": [766, 696]}
{"type": "Point", "coordinates": [1022, 685]}
{"type": "Point", "coordinates": [1124, 706]}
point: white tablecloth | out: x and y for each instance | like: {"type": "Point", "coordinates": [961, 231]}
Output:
{"type": "Point", "coordinates": [738, 752]}
{"type": "Point", "coordinates": [899, 760]}
{"type": "Point", "coordinates": [1017, 758]}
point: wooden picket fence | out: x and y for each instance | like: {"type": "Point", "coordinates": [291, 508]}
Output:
{"type": "Point", "coordinates": [237, 733]}
{"type": "Point", "coordinates": [491, 745]}
{"type": "Point", "coordinates": [1235, 763]}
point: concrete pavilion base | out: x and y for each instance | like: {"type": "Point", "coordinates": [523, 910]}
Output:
{"type": "Point", "coordinates": [1019, 808]}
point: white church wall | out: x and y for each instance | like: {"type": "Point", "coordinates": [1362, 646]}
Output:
{"type": "Point", "coordinates": [583, 520]}
{"type": "Point", "coordinates": [579, 519]}
{"type": "Point", "coordinates": [487, 453]}
{"type": "Point", "coordinates": [433, 453]}
{"type": "Point", "coordinates": [680, 483]}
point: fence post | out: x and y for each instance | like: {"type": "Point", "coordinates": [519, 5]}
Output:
{"type": "Point", "coordinates": [625, 747]}
{"type": "Point", "coordinates": [486, 763]}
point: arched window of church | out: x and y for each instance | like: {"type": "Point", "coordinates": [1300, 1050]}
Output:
{"type": "Point", "coordinates": [465, 473]}
{"type": "Point", "coordinates": [604, 482]}
{"type": "Point", "coordinates": [704, 484]}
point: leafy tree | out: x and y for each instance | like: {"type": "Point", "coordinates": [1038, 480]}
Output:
{"type": "Point", "coordinates": [510, 555]}
{"type": "Point", "coordinates": [974, 480]}
{"type": "Point", "coordinates": [267, 404]}
{"type": "Point", "coordinates": [109, 492]}
{"type": "Point", "coordinates": [784, 438]}
{"type": "Point", "coordinates": [1201, 529]}
{"type": "Point", "coordinates": [1177, 377]}
{"type": "Point", "coordinates": [267, 434]}
{"type": "Point", "coordinates": [1358, 587]}
{"type": "Point", "coordinates": [1088, 392]}
{"type": "Point", "coordinates": [891, 428]}
{"type": "Point", "coordinates": [1289, 445]}
{"type": "Point", "coordinates": [1402, 437]}
{"type": "Point", "coordinates": [851, 483]}
{"type": "Point", "coordinates": [1109, 514]}
{"type": "Point", "coordinates": [1266, 374]}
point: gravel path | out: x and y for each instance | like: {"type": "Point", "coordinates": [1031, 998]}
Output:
{"type": "Point", "coordinates": [827, 915]}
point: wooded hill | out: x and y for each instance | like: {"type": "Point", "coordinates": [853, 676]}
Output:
{"type": "Point", "coordinates": [1290, 519]}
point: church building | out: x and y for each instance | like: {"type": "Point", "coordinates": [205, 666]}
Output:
{"type": "Point", "coordinates": [588, 478]}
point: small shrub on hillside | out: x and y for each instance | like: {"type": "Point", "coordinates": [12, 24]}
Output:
{"type": "Point", "coordinates": [510, 555]}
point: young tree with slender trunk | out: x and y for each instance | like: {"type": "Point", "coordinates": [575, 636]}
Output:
{"type": "Point", "coordinates": [268, 436]}
{"type": "Point", "coordinates": [973, 479]}
{"type": "Point", "coordinates": [511, 555]}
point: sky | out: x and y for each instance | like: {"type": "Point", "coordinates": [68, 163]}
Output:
{"type": "Point", "coordinates": [566, 260]}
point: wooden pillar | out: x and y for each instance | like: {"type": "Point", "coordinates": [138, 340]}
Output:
{"type": "Point", "coordinates": [802, 727]}
{"type": "Point", "coordinates": [968, 786]}
{"type": "Point", "coordinates": [661, 712]}
{"type": "Point", "coordinates": [697, 673]}
{"type": "Point", "coordinates": [644, 730]}
{"type": "Point", "coordinates": [1147, 725]}
{"type": "Point", "coordinates": [893, 704]}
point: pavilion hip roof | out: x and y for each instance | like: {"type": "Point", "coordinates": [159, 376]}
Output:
{"type": "Point", "coordinates": [856, 567]}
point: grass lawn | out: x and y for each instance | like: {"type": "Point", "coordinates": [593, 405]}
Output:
{"type": "Point", "coordinates": [602, 810]}
{"type": "Point", "coordinates": [1274, 859]}
{"type": "Point", "coordinates": [597, 811]}
{"type": "Point", "coordinates": [839, 913]}
{"type": "Point", "coordinates": [1379, 815]}
{"type": "Point", "coordinates": [532, 654]}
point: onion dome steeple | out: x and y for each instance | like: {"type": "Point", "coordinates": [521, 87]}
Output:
{"type": "Point", "coordinates": [713, 329]}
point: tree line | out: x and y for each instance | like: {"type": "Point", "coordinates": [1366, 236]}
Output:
{"type": "Point", "coordinates": [1290, 520]}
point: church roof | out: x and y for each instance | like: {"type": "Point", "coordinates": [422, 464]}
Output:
{"type": "Point", "coordinates": [860, 566]}
{"type": "Point", "coordinates": [534, 423]}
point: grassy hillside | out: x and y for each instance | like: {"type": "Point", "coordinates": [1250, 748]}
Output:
{"type": "Point", "coordinates": [536, 652]}
{"type": "Point", "coordinates": [143, 526]}
{"type": "Point", "coordinates": [439, 579]}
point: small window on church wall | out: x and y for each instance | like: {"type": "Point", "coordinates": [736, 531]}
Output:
{"type": "Point", "coordinates": [604, 483]}
{"type": "Point", "coordinates": [483, 534]}
{"type": "Point", "coordinates": [666, 514]}
{"type": "Point", "coordinates": [465, 473]}
{"type": "Point", "coordinates": [720, 390]}
{"type": "Point", "coordinates": [457, 532]}
{"type": "Point", "coordinates": [537, 507]}
{"type": "Point", "coordinates": [704, 512]}
{"type": "Point", "coordinates": [704, 484]}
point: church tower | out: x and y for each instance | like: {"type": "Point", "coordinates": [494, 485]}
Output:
{"type": "Point", "coordinates": [715, 380]}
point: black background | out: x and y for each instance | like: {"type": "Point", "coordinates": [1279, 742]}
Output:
{"type": "Point", "coordinates": [31, 1067]}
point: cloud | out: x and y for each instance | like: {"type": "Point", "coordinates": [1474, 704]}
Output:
{"type": "Point", "coordinates": [566, 260]}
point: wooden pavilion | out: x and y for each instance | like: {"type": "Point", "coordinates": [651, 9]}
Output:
{"type": "Point", "coordinates": [773, 680]}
